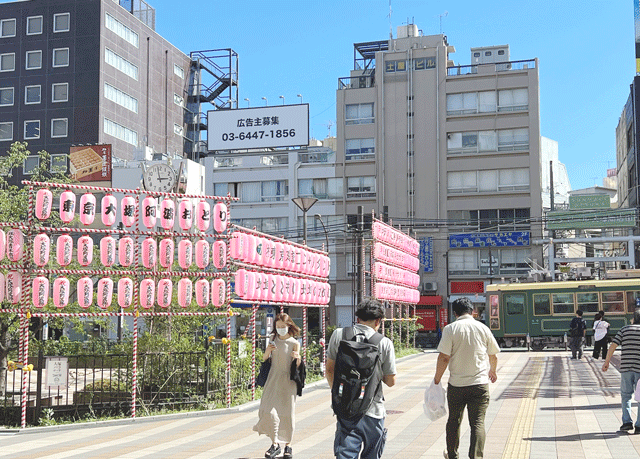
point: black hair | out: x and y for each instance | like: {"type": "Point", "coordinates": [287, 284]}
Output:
{"type": "Point", "coordinates": [636, 316]}
{"type": "Point", "coordinates": [579, 312]}
{"type": "Point", "coordinates": [462, 306]}
{"type": "Point", "coordinates": [369, 309]}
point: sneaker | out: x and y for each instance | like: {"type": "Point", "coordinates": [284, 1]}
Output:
{"type": "Point", "coordinates": [273, 452]}
{"type": "Point", "coordinates": [288, 452]}
{"type": "Point", "coordinates": [444, 453]}
{"type": "Point", "coordinates": [626, 427]}
{"type": "Point", "coordinates": [636, 430]}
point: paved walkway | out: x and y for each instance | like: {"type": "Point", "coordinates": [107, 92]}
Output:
{"type": "Point", "coordinates": [543, 406]}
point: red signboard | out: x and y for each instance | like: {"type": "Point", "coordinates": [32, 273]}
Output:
{"type": "Point", "coordinates": [444, 317]}
{"type": "Point", "coordinates": [90, 163]}
{"type": "Point", "coordinates": [433, 300]}
{"type": "Point", "coordinates": [426, 318]}
{"type": "Point", "coordinates": [467, 287]}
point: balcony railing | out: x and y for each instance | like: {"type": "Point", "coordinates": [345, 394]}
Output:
{"type": "Point", "coordinates": [357, 82]}
{"type": "Point", "coordinates": [497, 67]}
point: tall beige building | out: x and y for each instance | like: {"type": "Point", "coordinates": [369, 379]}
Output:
{"type": "Point", "coordinates": [451, 150]}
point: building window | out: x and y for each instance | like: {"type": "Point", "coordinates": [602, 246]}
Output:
{"type": "Point", "coordinates": [275, 190]}
{"type": "Point", "coordinates": [7, 62]}
{"type": "Point", "coordinates": [510, 100]}
{"type": "Point", "coordinates": [121, 30]}
{"type": "Point", "coordinates": [7, 28]}
{"type": "Point", "coordinates": [33, 60]}
{"type": "Point", "coordinates": [487, 141]}
{"type": "Point", "coordinates": [220, 189]}
{"type": "Point", "coordinates": [513, 179]}
{"type": "Point", "coordinates": [121, 98]}
{"type": "Point", "coordinates": [501, 52]}
{"type": "Point", "coordinates": [59, 164]}
{"type": "Point", "coordinates": [59, 92]}
{"type": "Point", "coordinates": [513, 139]}
{"type": "Point", "coordinates": [32, 94]}
{"type": "Point", "coordinates": [359, 149]}
{"type": "Point", "coordinates": [120, 132]}
{"type": "Point", "coordinates": [120, 63]}
{"type": "Point", "coordinates": [322, 188]}
{"type": "Point", "coordinates": [6, 97]}
{"type": "Point", "coordinates": [61, 57]}
{"type": "Point", "coordinates": [178, 71]}
{"type": "Point", "coordinates": [228, 161]}
{"type": "Point", "coordinates": [178, 100]}
{"type": "Point", "coordinates": [6, 131]}
{"type": "Point", "coordinates": [61, 22]}
{"type": "Point", "coordinates": [359, 114]}
{"type": "Point", "coordinates": [274, 160]}
{"type": "Point", "coordinates": [486, 181]}
{"type": "Point", "coordinates": [59, 127]}
{"type": "Point", "coordinates": [177, 129]}
{"type": "Point", "coordinates": [471, 102]}
{"type": "Point", "coordinates": [30, 165]}
{"type": "Point", "coordinates": [34, 25]}
{"type": "Point", "coordinates": [395, 66]}
{"type": "Point", "coordinates": [487, 53]}
{"type": "Point", "coordinates": [361, 187]}
{"type": "Point", "coordinates": [32, 129]}
{"type": "Point", "coordinates": [423, 63]}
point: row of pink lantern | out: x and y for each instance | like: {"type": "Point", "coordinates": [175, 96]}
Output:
{"type": "Point", "coordinates": [397, 257]}
{"type": "Point", "coordinates": [385, 272]}
{"type": "Point", "coordinates": [256, 286]}
{"type": "Point", "coordinates": [392, 236]}
{"type": "Point", "coordinates": [261, 251]}
{"type": "Point", "coordinates": [206, 292]}
{"type": "Point", "coordinates": [384, 291]}
{"type": "Point", "coordinates": [148, 211]}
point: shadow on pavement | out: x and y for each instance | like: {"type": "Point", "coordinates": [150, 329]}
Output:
{"type": "Point", "coordinates": [580, 437]}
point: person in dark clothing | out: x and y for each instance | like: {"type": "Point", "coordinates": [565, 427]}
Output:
{"type": "Point", "coordinates": [578, 329]}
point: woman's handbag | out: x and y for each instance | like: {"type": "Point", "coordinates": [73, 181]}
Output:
{"type": "Point", "coordinates": [261, 380]}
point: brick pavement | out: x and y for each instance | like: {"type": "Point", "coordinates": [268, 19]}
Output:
{"type": "Point", "coordinates": [543, 406]}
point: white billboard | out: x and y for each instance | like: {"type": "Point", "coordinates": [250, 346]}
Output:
{"type": "Point", "coordinates": [260, 127]}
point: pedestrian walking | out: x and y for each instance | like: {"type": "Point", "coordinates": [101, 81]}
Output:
{"type": "Point", "coordinates": [469, 350]}
{"type": "Point", "coordinates": [356, 395]}
{"type": "Point", "coordinates": [578, 329]}
{"type": "Point", "coordinates": [600, 338]}
{"type": "Point", "coordinates": [628, 338]}
{"type": "Point", "coordinates": [276, 415]}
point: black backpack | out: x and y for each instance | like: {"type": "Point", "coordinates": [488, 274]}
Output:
{"type": "Point", "coordinates": [358, 375]}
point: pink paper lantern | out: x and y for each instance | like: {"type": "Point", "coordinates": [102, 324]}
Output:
{"type": "Point", "coordinates": [147, 293]}
{"type": "Point", "coordinates": [185, 214]}
{"type": "Point", "coordinates": [279, 254]}
{"type": "Point", "coordinates": [258, 255]}
{"type": "Point", "coordinates": [41, 249]}
{"type": "Point", "coordinates": [241, 281]}
{"type": "Point", "coordinates": [185, 292]}
{"type": "Point", "coordinates": [85, 250]}
{"type": "Point", "coordinates": [108, 209]}
{"type": "Point", "coordinates": [165, 253]}
{"type": "Point", "coordinates": [258, 286]}
{"type": "Point", "coordinates": [125, 292]}
{"type": "Point", "coordinates": [185, 253]}
{"type": "Point", "coordinates": [67, 206]}
{"type": "Point", "coordinates": [218, 292]}
{"type": "Point", "coordinates": [165, 292]}
{"type": "Point", "coordinates": [44, 198]}
{"type": "Point", "coordinates": [238, 245]}
{"type": "Point", "coordinates": [125, 251]}
{"type": "Point", "coordinates": [286, 264]}
{"type": "Point", "coordinates": [2, 287]}
{"type": "Point", "coordinates": [278, 296]}
{"type": "Point", "coordinates": [149, 253]}
{"type": "Point", "coordinates": [87, 208]}
{"type": "Point", "coordinates": [271, 291]}
{"type": "Point", "coordinates": [64, 249]}
{"type": "Point", "coordinates": [148, 209]}
{"type": "Point", "coordinates": [14, 286]}
{"type": "Point", "coordinates": [219, 254]}
{"type": "Point", "coordinates": [3, 244]}
{"type": "Point", "coordinates": [105, 292]}
{"type": "Point", "coordinates": [167, 213]}
{"type": "Point", "coordinates": [220, 217]}
{"type": "Point", "coordinates": [40, 292]}
{"type": "Point", "coordinates": [203, 215]}
{"type": "Point", "coordinates": [85, 292]}
{"type": "Point", "coordinates": [107, 251]}
{"type": "Point", "coordinates": [15, 245]}
{"type": "Point", "coordinates": [202, 254]}
{"type": "Point", "coordinates": [251, 254]}
{"type": "Point", "coordinates": [202, 293]}
{"type": "Point", "coordinates": [128, 211]}
{"type": "Point", "coordinates": [61, 287]}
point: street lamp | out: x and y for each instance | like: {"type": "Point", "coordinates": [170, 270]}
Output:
{"type": "Point", "coordinates": [265, 101]}
{"type": "Point", "coordinates": [304, 204]}
{"type": "Point", "coordinates": [248, 102]}
{"type": "Point", "coordinates": [282, 97]}
{"type": "Point", "coordinates": [326, 236]}
{"type": "Point", "coordinates": [300, 96]}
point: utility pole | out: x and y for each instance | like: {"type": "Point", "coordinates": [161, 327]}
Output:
{"type": "Point", "coordinates": [360, 255]}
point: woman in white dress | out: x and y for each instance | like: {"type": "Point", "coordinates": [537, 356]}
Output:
{"type": "Point", "coordinates": [276, 416]}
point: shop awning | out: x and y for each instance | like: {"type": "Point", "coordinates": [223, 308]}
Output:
{"type": "Point", "coordinates": [430, 300]}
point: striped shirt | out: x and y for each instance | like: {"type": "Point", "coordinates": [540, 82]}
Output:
{"type": "Point", "coordinates": [629, 338]}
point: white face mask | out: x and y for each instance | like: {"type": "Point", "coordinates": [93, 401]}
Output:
{"type": "Point", "coordinates": [282, 331]}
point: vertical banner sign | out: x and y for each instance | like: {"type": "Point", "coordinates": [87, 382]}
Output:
{"type": "Point", "coordinates": [636, 23]}
{"type": "Point", "coordinates": [57, 371]}
{"type": "Point", "coordinates": [426, 254]}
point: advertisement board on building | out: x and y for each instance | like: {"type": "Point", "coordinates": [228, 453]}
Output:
{"type": "Point", "coordinates": [90, 163]}
{"type": "Point", "coordinates": [502, 239]}
{"type": "Point", "coordinates": [426, 254]}
{"type": "Point", "coordinates": [589, 201]}
{"type": "Point", "coordinates": [260, 127]}
{"type": "Point", "coordinates": [622, 218]}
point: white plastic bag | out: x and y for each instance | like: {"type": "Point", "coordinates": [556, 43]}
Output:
{"type": "Point", "coordinates": [636, 393]}
{"type": "Point", "coordinates": [435, 401]}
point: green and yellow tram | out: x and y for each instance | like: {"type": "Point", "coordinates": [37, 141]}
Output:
{"type": "Point", "coordinates": [541, 312]}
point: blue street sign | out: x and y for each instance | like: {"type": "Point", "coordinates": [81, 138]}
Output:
{"type": "Point", "coordinates": [503, 239]}
{"type": "Point", "coordinates": [426, 254]}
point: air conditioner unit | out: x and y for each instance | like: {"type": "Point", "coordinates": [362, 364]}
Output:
{"type": "Point", "coordinates": [430, 286]}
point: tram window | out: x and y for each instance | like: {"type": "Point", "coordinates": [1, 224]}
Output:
{"type": "Point", "coordinates": [588, 302]}
{"type": "Point", "coordinates": [541, 304]}
{"type": "Point", "coordinates": [563, 303]}
{"type": "Point", "coordinates": [631, 301]}
{"type": "Point", "coordinates": [613, 302]}
{"type": "Point", "coordinates": [514, 304]}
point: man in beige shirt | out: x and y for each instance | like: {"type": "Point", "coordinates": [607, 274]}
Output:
{"type": "Point", "coordinates": [469, 350]}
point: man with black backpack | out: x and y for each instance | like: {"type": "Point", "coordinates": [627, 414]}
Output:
{"type": "Point", "coordinates": [359, 360]}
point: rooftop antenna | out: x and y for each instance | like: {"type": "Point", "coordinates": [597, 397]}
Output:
{"type": "Point", "coordinates": [443, 15]}
{"type": "Point", "coordinates": [328, 126]}
{"type": "Point", "coordinates": [390, 28]}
